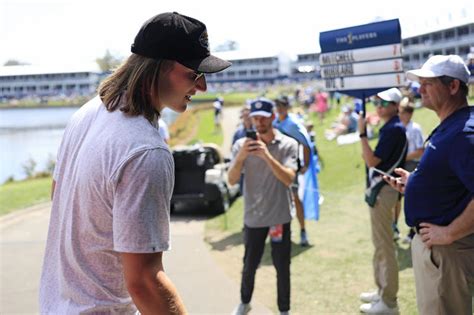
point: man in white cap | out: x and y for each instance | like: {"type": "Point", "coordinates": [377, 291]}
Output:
{"type": "Point", "coordinates": [269, 165]}
{"type": "Point", "coordinates": [389, 154]}
{"type": "Point", "coordinates": [439, 194]}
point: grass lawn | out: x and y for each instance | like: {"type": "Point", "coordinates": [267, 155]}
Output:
{"type": "Point", "coordinates": [21, 194]}
{"type": "Point", "coordinates": [231, 98]}
{"type": "Point", "coordinates": [18, 195]}
{"type": "Point", "coordinates": [207, 132]}
{"type": "Point", "coordinates": [328, 276]}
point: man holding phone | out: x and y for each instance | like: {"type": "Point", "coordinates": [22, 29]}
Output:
{"type": "Point", "coordinates": [439, 193]}
{"type": "Point", "coordinates": [269, 164]}
{"type": "Point", "coordinates": [250, 133]}
{"type": "Point", "coordinates": [389, 153]}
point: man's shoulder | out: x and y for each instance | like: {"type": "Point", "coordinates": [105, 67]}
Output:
{"type": "Point", "coordinates": [413, 126]}
{"type": "Point", "coordinates": [284, 139]}
{"type": "Point", "coordinates": [394, 126]}
{"type": "Point", "coordinates": [469, 125]}
{"type": "Point", "coordinates": [238, 143]}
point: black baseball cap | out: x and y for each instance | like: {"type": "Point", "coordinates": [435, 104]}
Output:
{"type": "Point", "coordinates": [282, 101]}
{"type": "Point", "coordinates": [177, 37]}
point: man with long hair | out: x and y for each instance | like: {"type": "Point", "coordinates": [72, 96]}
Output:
{"type": "Point", "coordinates": [114, 178]}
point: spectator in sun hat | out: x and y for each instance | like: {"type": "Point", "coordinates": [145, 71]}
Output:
{"type": "Point", "coordinates": [114, 178]}
{"type": "Point", "coordinates": [389, 153]}
{"type": "Point", "coordinates": [439, 193]}
{"type": "Point", "coordinates": [269, 165]}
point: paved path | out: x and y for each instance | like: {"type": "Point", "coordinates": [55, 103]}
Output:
{"type": "Point", "coordinates": [203, 285]}
{"type": "Point", "coordinates": [231, 118]}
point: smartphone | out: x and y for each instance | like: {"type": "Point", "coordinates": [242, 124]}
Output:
{"type": "Point", "coordinates": [252, 134]}
{"type": "Point", "coordinates": [382, 172]}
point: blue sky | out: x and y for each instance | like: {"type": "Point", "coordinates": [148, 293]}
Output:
{"type": "Point", "coordinates": [44, 32]}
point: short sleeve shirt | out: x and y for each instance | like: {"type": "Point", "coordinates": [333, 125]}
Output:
{"type": "Point", "coordinates": [414, 137]}
{"type": "Point", "coordinates": [391, 144]}
{"type": "Point", "coordinates": [114, 179]}
{"type": "Point", "coordinates": [443, 184]}
{"type": "Point", "coordinates": [267, 200]}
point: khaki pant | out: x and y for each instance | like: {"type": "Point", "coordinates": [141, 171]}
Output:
{"type": "Point", "coordinates": [385, 259]}
{"type": "Point", "coordinates": [444, 276]}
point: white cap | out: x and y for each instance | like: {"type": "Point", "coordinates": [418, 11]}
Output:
{"type": "Point", "coordinates": [391, 95]}
{"type": "Point", "coordinates": [452, 66]}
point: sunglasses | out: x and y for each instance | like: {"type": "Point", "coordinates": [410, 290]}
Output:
{"type": "Point", "coordinates": [382, 103]}
{"type": "Point", "coordinates": [197, 75]}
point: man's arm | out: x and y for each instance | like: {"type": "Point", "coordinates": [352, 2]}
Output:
{"type": "Point", "coordinates": [367, 153]}
{"type": "Point", "coordinates": [284, 174]}
{"type": "Point", "coordinates": [307, 157]}
{"type": "Point", "coordinates": [235, 169]}
{"type": "Point", "coordinates": [151, 290]}
{"type": "Point", "coordinates": [462, 226]}
{"type": "Point", "coordinates": [398, 183]}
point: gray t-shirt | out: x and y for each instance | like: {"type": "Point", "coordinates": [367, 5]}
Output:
{"type": "Point", "coordinates": [114, 179]}
{"type": "Point", "coordinates": [267, 200]}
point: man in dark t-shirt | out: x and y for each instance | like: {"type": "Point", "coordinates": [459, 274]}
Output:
{"type": "Point", "coordinates": [389, 153]}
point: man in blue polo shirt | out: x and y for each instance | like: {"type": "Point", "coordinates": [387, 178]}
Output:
{"type": "Point", "coordinates": [439, 193]}
{"type": "Point", "coordinates": [389, 154]}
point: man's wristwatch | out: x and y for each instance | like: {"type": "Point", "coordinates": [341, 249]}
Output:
{"type": "Point", "coordinates": [363, 135]}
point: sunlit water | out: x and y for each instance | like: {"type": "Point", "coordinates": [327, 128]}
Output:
{"type": "Point", "coordinates": [35, 134]}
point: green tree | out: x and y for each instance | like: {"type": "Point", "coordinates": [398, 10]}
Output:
{"type": "Point", "coordinates": [108, 61]}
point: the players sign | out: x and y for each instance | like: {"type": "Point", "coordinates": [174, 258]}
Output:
{"type": "Point", "coordinates": [362, 60]}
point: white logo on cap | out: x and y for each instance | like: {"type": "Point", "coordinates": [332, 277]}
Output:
{"type": "Point", "coordinates": [258, 105]}
{"type": "Point", "coordinates": [204, 40]}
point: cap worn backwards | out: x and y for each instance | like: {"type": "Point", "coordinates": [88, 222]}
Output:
{"type": "Point", "coordinates": [452, 66]}
{"type": "Point", "coordinates": [177, 37]}
{"type": "Point", "coordinates": [282, 101]}
{"type": "Point", "coordinates": [261, 107]}
{"type": "Point", "coordinates": [391, 95]}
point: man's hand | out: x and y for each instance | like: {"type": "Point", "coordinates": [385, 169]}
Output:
{"type": "Point", "coordinates": [244, 150]}
{"type": "Point", "coordinates": [235, 169]}
{"type": "Point", "coordinates": [258, 148]}
{"type": "Point", "coordinates": [362, 124]}
{"type": "Point", "coordinates": [398, 183]}
{"type": "Point", "coordinates": [303, 169]}
{"type": "Point", "coordinates": [432, 234]}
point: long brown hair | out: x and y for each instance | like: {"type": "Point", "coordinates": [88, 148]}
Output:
{"type": "Point", "coordinates": [139, 77]}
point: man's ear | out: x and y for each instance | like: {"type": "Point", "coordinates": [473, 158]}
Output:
{"type": "Point", "coordinates": [454, 86]}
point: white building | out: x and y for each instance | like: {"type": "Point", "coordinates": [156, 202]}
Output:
{"type": "Point", "coordinates": [450, 41]}
{"type": "Point", "coordinates": [26, 80]}
{"type": "Point", "coordinates": [248, 67]}
{"type": "Point", "coordinates": [306, 67]}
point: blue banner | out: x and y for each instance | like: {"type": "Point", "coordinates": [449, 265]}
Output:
{"type": "Point", "coordinates": [294, 129]}
{"type": "Point", "coordinates": [367, 35]}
